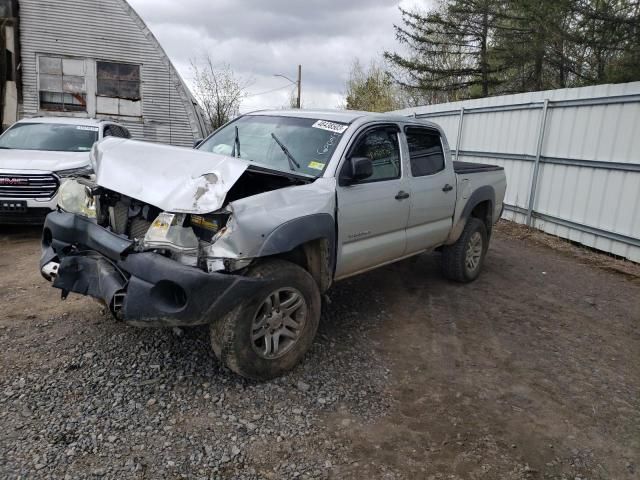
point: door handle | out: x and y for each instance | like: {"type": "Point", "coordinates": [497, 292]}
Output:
{"type": "Point", "coordinates": [447, 188]}
{"type": "Point", "coordinates": [401, 195]}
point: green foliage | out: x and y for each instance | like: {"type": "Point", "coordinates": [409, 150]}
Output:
{"type": "Point", "coordinates": [476, 48]}
{"type": "Point", "coordinates": [371, 89]}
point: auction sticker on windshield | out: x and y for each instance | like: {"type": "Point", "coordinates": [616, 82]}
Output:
{"type": "Point", "coordinates": [316, 165]}
{"type": "Point", "coordinates": [90, 129]}
{"type": "Point", "coordinates": [330, 126]}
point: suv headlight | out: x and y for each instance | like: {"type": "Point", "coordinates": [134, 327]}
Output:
{"type": "Point", "coordinates": [73, 197]}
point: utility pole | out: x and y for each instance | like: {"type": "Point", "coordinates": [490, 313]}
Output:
{"type": "Point", "coordinates": [299, 85]}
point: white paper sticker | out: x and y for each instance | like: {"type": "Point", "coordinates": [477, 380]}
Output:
{"type": "Point", "coordinates": [91, 129]}
{"type": "Point", "coordinates": [330, 126]}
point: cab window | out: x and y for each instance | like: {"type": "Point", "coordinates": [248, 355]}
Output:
{"type": "Point", "coordinates": [425, 151]}
{"type": "Point", "coordinates": [381, 146]}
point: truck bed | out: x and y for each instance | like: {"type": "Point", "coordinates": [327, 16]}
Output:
{"type": "Point", "coordinates": [470, 167]}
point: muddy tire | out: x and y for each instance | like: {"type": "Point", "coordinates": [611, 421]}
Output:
{"type": "Point", "coordinates": [462, 261]}
{"type": "Point", "coordinates": [270, 332]}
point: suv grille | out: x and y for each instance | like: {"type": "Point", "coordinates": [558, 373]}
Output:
{"type": "Point", "coordinates": [14, 185]}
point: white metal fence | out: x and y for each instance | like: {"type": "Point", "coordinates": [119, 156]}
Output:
{"type": "Point", "coordinates": [572, 158]}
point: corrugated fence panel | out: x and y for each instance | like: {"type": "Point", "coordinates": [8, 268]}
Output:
{"type": "Point", "coordinates": [507, 132]}
{"type": "Point", "coordinates": [588, 186]}
{"type": "Point", "coordinates": [450, 126]}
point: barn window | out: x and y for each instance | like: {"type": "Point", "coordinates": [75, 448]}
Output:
{"type": "Point", "coordinates": [121, 80]}
{"type": "Point", "coordinates": [61, 84]}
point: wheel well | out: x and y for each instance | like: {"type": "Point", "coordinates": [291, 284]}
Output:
{"type": "Point", "coordinates": [482, 211]}
{"type": "Point", "coordinates": [314, 257]}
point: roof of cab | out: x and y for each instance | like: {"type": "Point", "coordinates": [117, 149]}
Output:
{"type": "Point", "coordinates": [344, 116]}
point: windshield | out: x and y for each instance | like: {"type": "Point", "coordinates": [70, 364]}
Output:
{"type": "Point", "coordinates": [301, 145]}
{"type": "Point", "coordinates": [49, 136]}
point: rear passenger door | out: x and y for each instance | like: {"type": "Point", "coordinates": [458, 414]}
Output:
{"type": "Point", "coordinates": [433, 193]}
{"type": "Point", "coordinates": [373, 213]}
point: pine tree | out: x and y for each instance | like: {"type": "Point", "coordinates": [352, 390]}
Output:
{"type": "Point", "coordinates": [608, 33]}
{"type": "Point", "coordinates": [532, 44]}
{"type": "Point", "coordinates": [450, 49]}
{"type": "Point", "coordinates": [476, 48]}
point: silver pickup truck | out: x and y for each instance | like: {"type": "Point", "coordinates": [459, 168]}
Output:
{"type": "Point", "coordinates": [247, 231]}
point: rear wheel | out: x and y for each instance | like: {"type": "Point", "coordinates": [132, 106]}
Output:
{"type": "Point", "coordinates": [463, 260]}
{"type": "Point", "coordinates": [270, 332]}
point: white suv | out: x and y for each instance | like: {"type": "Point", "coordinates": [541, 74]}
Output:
{"type": "Point", "coordinates": [37, 154]}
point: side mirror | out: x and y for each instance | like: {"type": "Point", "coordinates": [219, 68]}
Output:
{"type": "Point", "coordinates": [357, 168]}
{"type": "Point", "coordinates": [197, 142]}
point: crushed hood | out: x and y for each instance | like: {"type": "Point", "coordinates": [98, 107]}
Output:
{"type": "Point", "coordinates": [41, 160]}
{"type": "Point", "coordinates": [173, 179]}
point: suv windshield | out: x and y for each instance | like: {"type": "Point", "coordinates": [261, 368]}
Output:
{"type": "Point", "coordinates": [301, 145]}
{"type": "Point", "coordinates": [49, 136]}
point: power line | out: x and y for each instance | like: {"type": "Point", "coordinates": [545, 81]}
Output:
{"type": "Point", "coordinates": [267, 91]}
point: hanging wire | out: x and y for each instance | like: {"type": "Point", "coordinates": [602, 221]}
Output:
{"type": "Point", "coordinates": [267, 91]}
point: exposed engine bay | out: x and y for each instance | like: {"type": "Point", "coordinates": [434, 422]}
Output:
{"type": "Point", "coordinates": [255, 181]}
{"type": "Point", "coordinates": [184, 237]}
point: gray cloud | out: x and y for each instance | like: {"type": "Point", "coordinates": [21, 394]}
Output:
{"type": "Point", "coordinates": [260, 38]}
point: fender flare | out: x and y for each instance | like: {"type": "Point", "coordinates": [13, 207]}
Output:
{"type": "Point", "coordinates": [301, 230]}
{"type": "Point", "coordinates": [482, 194]}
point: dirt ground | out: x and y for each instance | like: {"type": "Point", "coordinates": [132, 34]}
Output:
{"type": "Point", "coordinates": [531, 372]}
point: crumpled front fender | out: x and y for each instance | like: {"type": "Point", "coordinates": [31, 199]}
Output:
{"type": "Point", "coordinates": [277, 221]}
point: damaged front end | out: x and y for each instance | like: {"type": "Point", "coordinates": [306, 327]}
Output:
{"type": "Point", "coordinates": [150, 267]}
{"type": "Point", "coordinates": [163, 253]}
{"type": "Point", "coordinates": [141, 287]}
{"type": "Point", "coordinates": [186, 238]}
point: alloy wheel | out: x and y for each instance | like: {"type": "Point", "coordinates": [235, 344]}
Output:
{"type": "Point", "coordinates": [474, 252]}
{"type": "Point", "coordinates": [278, 323]}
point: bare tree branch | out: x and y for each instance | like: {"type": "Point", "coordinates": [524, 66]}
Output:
{"type": "Point", "coordinates": [217, 89]}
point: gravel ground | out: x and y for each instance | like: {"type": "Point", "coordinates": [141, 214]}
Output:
{"type": "Point", "coordinates": [528, 373]}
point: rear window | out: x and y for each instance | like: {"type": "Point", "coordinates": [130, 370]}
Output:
{"type": "Point", "coordinates": [49, 136]}
{"type": "Point", "coordinates": [425, 151]}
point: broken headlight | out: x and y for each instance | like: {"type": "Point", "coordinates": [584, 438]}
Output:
{"type": "Point", "coordinates": [168, 232]}
{"type": "Point", "coordinates": [73, 197]}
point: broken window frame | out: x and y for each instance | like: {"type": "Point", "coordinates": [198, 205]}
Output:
{"type": "Point", "coordinates": [123, 81]}
{"type": "Point", "coordinates": [71, 96]}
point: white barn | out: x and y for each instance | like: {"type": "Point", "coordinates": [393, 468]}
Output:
{"type": "Point", "coordinates": [94, 59]}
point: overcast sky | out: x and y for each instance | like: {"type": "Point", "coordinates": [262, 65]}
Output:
{"type": "Point", "coordinates": [261, 38]}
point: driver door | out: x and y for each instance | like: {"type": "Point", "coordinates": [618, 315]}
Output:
{"type": "Point", "coordinates": [373, 213]}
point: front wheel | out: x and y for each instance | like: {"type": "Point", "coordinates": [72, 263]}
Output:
{"type": "Point", "coordinates": [463, 260]}
{"type": "Point", "coordinates": [270, 332]}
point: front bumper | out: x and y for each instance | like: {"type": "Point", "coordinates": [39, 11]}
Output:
{"type": "Point", "coordinates": [142, 289]}
{"type": "Point", "coordinates": [12, 211]}
{"type": "Point", "coordinates": [32, 216]}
